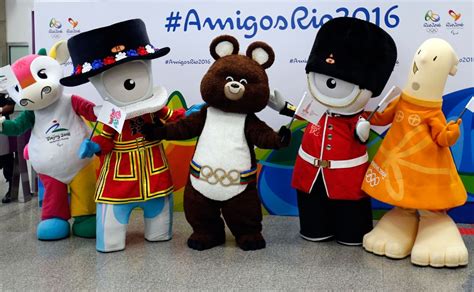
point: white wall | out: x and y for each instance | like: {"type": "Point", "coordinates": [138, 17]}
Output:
{"type": "Point", "coordinates": [18, 18]}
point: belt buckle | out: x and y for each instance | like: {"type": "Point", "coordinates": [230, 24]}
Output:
{"type": "Point", "coordinates": [322, 163]}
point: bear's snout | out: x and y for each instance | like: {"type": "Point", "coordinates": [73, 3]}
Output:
{"type": "Point", "coordinates": [234, 90]}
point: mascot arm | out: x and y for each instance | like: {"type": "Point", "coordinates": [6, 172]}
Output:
{"type": "Point", "coordinates": [444, 134]}
{"type": "Point", "coordinates": [166, 114]}
{"type": "Point", "coordinates": [105, 140]}
{"type": "Point", "coordinates": [261, 135]}
{"type": "Point", "coordinates": [18, 126]}
{"type": "Point", "coordinates": [188, 127]}
{"type": "Point", "coordinates": [83, 108]}
{"type": "Point", "coordinates": [385, 117]}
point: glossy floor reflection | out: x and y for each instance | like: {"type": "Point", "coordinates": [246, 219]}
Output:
{"type": "Point", "coordinates": [288, 262]}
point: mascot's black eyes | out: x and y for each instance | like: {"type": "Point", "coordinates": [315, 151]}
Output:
{"type": "Point", "coordinates": [331, 83]}
{"type": "Point", "coordinates": [129, 84]}
{"type": "Point", "coordinates": [17, 88]}
{"type": "Point", "coordinates": [42, 74]}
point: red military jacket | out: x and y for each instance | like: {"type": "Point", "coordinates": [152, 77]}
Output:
{"type": "Point", "coordinates": [333, 138]}
{"type": "Point", "coordinates": [132, 169]}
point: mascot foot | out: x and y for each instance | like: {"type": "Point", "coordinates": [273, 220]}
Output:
{"type": "Point", "coordinates": [251, 242]}
{"type": "Point", "coordinates": [52, 229]}
{"type": "Point", "coordinates": [394, 234]}
{"type": "Point", "coordinates": [84, 226]}
{"type": "Point", "coordinates": [438, 243]}
{"type": "Point", "coordinates": [203, 242]}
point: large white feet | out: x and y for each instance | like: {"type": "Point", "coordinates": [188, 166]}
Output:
{"type": "Point", "coordinates": [438, 243]}
{"type": "Point", "coordinates": [394, 235]}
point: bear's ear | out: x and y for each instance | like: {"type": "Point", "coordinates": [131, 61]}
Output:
{"type": "Point", "coordinates": [261, 53]}
{"type": "Point", "coordinates": [59, 52]}
{"type": "Point", "coordinates": [224, 45]}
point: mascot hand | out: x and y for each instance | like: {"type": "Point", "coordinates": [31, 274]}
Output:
{"type": "Point", "coordinates": [453, 131]}
{"type": "Point", "coordinates": [363, 130]}
{"type": "Point", "coordinates": [195, 108]}
{"type": "Point", "coordinates": [88, 149]}
{"type": "Point", "coordinates": [276, 100]}
{"type": "Point", "coordinates": [153, 132]}
{"type": "Point", "coordinates": [285, 135]}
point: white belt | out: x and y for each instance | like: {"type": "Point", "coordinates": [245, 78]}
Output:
{"type": "Point", "coordinates": [333, 164]}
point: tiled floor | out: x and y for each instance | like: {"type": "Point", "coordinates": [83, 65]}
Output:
{"type": "Point", "coordinates": [288, 262]}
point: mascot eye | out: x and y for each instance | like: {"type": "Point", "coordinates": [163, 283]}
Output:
{"type": "Point", "coordinates": [229, 79]}
{"type": "Point", "coordinates": [17, 88]}
{"type": "Point", "coordinates": [244, 81]}
{"type": "Point", "coordinates": [129, 84]}
{"type": "Point", "coordinates": [42, 74]}
{"type": "Point", "coordinates": [331, 83]}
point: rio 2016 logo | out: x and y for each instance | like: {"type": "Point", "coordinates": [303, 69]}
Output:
{"type": "Point", "coordinates": [431, 16]}
{"type": "Point", "coordinates": [432, 20]}
{"type": "Point", "coordinates": [55, 24]}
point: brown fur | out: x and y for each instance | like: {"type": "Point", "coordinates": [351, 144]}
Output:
{"type": "Point", "coordinates": [242, 213]}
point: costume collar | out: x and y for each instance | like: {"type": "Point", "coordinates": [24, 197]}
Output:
{"type": "Point", "coordinates": [421, 102]}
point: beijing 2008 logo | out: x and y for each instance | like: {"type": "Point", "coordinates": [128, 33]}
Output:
{"type": "Point", "coordinates": [432, 20]}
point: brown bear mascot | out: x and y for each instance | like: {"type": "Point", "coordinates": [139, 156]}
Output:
{"type": "Point", "coordinates": [224, 169]}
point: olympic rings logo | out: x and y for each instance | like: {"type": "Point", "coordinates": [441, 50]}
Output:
{"type": "Point", "coordinates": [371, 178]}
{"type": "Point", "coordinates": [219, 175]}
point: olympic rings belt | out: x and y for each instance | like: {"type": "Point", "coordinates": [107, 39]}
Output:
{"type": "Point", "coordinates": [219, 175]}
{"type": "Point", "coordinates": [333, 164]}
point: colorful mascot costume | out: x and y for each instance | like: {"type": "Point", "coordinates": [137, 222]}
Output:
{"type": "Point", "coordinates": [134, 173]}
{"type": "Point", "coordinates": [57, 133]}
{"type": "Point", "coordinates": [223, 168]}
{"type": "Point", "coordinates": [414, 170]}
{"type": "Point", "coordinates": [350, 62]}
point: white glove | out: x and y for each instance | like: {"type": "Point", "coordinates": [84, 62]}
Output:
{"type": "Point", "coordinates": [363, 130]}
{"type": "Point", "coordinates": [276, 100]}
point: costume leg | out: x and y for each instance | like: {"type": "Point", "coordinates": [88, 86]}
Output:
{"type": "Point", "coordinates": [353, 219]}
{"type": "Point", "coordinates": [204, 216]}
{"type": "Point", "coordinates": [82, 201]}
{"type": "Point", "coordinates": [158, 215]}
{"type": "Point", "coordinates": [55, 210]}
{"type": "Point", "coordinates": [394, 235]}
{"type": "Point", "coordinates": [438, 242]}
{"type": "Point", "coordinates": [112, 221]}
{"type": "Point", "coordinates": [316, 213]}
{"type": "Point", "coordinates": [243, 215]}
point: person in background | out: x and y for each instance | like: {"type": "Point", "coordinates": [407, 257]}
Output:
{"type": "Point", "coordinates": [7, 106]}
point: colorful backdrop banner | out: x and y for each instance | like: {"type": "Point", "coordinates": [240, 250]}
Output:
{"type": "Point", "coordinates": [188, 27]}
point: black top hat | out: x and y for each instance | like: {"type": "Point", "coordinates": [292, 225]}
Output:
{"type": "Point", "coordinates": [355, 51]}
{"type": "Point", "coordinates": [97, 50]}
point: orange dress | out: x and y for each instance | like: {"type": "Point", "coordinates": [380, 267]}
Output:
{"type": "Point", "coordinates": [413, 167]}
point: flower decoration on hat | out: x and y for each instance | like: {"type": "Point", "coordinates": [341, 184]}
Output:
{"type": "Point", "coordinates": [132, 53]}
{"type": "Point", "coordinates": [109, 60]}
{"type": "Point", "coordinates": [86, 67]}
{"type": "Point", "coordinates": [142, 51]}
{"type": "Point", "coordinates": [150, 49]}
{"type": "Point", "coordinates": [97, 64]}
{"type": "Point", "coordinates": [120, 56]}
{"type": "Point", "coordinates": [78, 69]}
